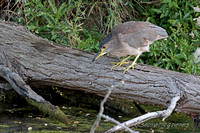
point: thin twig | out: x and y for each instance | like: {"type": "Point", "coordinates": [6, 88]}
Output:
{"type": "Point", "coordinates": [96, 123]}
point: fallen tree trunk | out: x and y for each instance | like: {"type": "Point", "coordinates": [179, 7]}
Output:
{"type": "Point", "coordinates": [39, 63]}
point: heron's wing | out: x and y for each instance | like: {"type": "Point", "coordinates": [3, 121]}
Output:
{"type": "Point", "coordinates": [139, 34]}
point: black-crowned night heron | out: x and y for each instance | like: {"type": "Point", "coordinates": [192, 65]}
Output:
{"type": "Point", "coordinates": [130, 38]}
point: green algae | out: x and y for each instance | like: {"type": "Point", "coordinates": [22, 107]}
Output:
{"type": "Point", "coordinates": [82, 112]}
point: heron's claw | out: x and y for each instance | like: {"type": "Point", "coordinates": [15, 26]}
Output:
{"type": "Point", "coordinates": [132, 65]}
{"type": "Point", "coordinates": [118, 64]}
{"type": "Point", "coordinates": [127, 68]}
{"type": "Point", "coordinates": [121, 63]}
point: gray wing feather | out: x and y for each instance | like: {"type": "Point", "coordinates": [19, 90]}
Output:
{"type": "Point", "coordinates": [144, 36]}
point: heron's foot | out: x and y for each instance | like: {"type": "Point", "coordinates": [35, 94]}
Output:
{"type": "Point", "coordinates": [127, 62]}
{"type": "Point", "coordinates": [127, 68]}
{"type": "Point", "coordinates": [121, 62]}
{"type": "Point", "coordinates": [118, 64]}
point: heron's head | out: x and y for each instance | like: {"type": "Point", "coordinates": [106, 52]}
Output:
{"type": "Point", "coordinates": [104, 47]}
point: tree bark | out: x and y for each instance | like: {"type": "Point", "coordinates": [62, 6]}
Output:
{"type": "Point", "coordinates": [39, 63]}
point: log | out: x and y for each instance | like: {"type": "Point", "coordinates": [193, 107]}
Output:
{"type": "Point", "coordinates": [39, 63]}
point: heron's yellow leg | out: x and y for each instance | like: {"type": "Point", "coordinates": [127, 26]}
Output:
{"type": "Point", "coordinates": [121, 62]}
{"type": "Point", "coordinates": [132, 65]}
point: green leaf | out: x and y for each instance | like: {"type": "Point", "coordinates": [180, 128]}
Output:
{"type": "Point", "coordinates": [173, 4]}
{"type": "Point", "coordinates": [62, 10]}
{"type": "Point", "coordinates": [168, 65]}
{"type": "Point", "coordinates": [53, 7]}
{"type": "Point", "coordinates": [31, 27]}
{"type": "Point", "coordinates": [162, 16]}
{"type": "Point", "coordinates": [186, 15]}
{"type": "Point", "coordinates": [166, 1]}
{"type": "Point", "coordinates": [166, 60]}
{"type": "Point", "coordinates": [156, 10]}
{"type": "Point", "coordinates": [172, 21]}
{"type": "Point", "coordinates": [181, 56]}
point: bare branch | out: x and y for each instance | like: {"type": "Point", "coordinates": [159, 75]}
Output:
{"type": "Point", "coordinates": [164, 114]}
{"type": "Point", "coordinates": [171, 107]}
{"type": "Point", "coordinates": [118, 123]}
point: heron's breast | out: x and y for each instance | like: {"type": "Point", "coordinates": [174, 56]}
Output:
{"type": "Point", "coordinates": [125, 49]}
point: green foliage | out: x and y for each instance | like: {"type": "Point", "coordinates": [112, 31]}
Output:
{"type": "Point", "coordinates": [175, 53]}
{"type": "Point", "coordinates": [56, 23]}
{"type": "Point", "coordinates": [63, 22]}
{"type": "Point", "coordinates": [89, 40]}
{"type": "Point", "coordinates": [83, 23]}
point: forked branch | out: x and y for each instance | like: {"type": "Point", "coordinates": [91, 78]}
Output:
{"type": "Point", "coordinates": [164, 114]}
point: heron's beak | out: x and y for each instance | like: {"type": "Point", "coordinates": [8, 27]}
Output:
{"type": "Point", "coordinates": [98, 55]}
